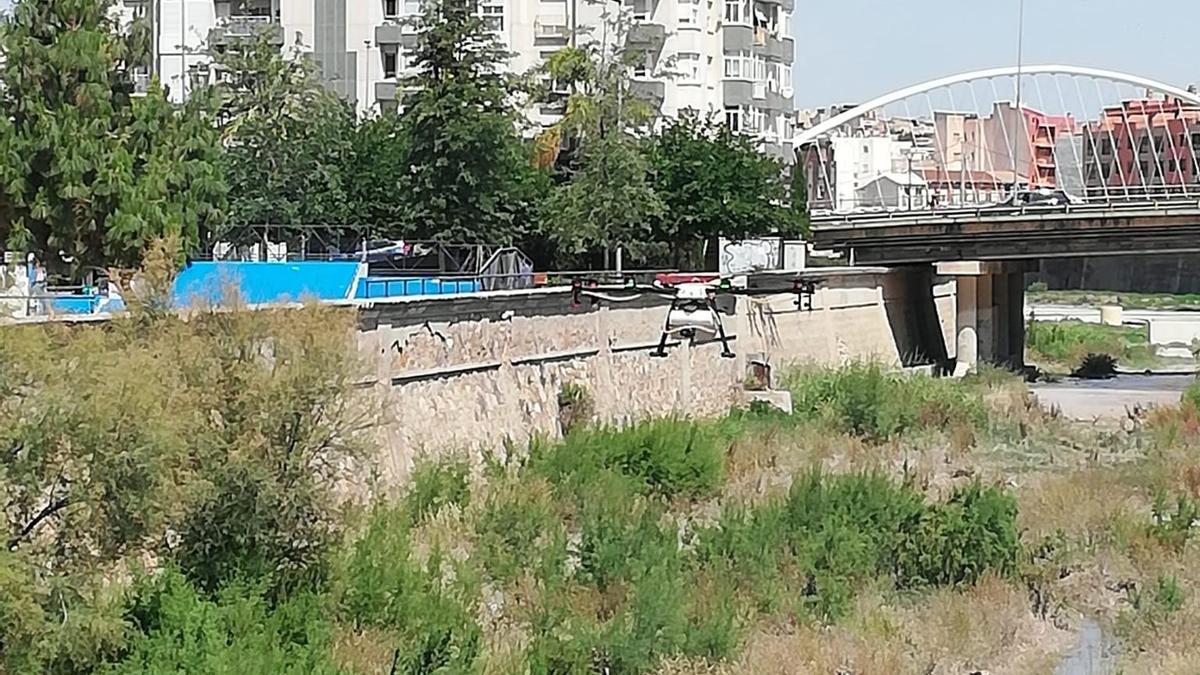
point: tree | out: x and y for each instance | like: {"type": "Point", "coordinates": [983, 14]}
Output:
{"type": "Point", "coordinates": [469, 176]}
{"type": "Point", "coordinates": [604, 198]}
{"type": "Point", "coordinates": [92, 173]}
{"type": "Point", "coordinates": [289, 141]}
{"type": "Point", "coordinates": [715, 183]}
{"type": "Point", "coordinates": [799, 198]}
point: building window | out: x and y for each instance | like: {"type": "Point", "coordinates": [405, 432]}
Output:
{"type": "Point", "coordinates": [737, 11]}
{"type": "Point", "coordinates": [733, 118]}
{"type": "Point", "coordinates": [644, 65]}
{"type": "Point", "coordinates": [391, 9]}
{"type": "Point", "coordinates": [492, 12]}
{"type": "Point", "coordinates": [412, 7]}
{"type": "Point", "coordinates": [389, 63]}
{"type": "Point", "coordinates": [738, 66]}
{"type": "Point", "coordinates": [640, 9]}
{"type": "Point", "coordinates": [689, 66]}
{"type": "Point", "coordinates": [689, 14]}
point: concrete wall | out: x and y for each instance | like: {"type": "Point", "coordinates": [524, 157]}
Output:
{"type": "Point", "coordinates": [478, 372]}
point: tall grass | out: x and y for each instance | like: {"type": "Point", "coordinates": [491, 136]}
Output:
{"type": "Point", "coordinates": [869, 400]}
{"type": "Point", "coordinates": [1068, 343]}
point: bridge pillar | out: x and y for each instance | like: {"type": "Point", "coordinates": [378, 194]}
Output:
{"type": "Point", "coordinates": [991, 313]}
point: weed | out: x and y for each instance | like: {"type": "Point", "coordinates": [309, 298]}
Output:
{"type": "Point", "coordinates": [381, 586]}
{"type": "Point", "coordinates": [867, 400]}
{"type": "Point", "coordinates": [670, 456]}
{"type": "Point", "coordinates": [437, 483]}
{"type": "Point", "coordinates": [1065, 344]}
{"type": "Point", "coordinates": [1174, 529]}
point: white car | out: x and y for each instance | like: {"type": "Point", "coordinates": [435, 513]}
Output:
{"type": "Point", "coordinates": [1044, 197]}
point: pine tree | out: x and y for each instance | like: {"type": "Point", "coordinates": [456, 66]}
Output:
{"type": "Point", "coordinates": [469, 176]}
{"type": "Point", "coordinates": [92, 173]}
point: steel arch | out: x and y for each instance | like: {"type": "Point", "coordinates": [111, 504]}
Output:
{"type": "Point", "coordinates": [810, 135]}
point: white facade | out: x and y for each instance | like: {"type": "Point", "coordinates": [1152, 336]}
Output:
{"type": "Point", "coordinates": [860, 161]}
{"type": "Point", "coordinates": [728, 59]}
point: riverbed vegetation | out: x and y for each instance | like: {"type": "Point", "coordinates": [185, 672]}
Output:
{"type": "Point", "coordinates": [1062, 346]}
{"type": "Point", "coordinates": [194, 494]}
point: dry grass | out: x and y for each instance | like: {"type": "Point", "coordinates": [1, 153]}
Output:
{"type": "Point", "coordinates": [365, 652]}
{"type": "Point", "coordinates": [987, 627]}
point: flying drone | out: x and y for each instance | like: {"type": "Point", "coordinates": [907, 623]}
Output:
{"type": "Point", "coordinates": [693, 314]}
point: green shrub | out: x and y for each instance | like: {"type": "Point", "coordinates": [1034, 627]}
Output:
{"type": "Point", "coordinates": [380, 585]}
{"type": "Point", "coordinates": [518, 529]}
{"type": "Point", "coordinates": [253, 526]}
{"type": "Point", "coordinates": [957, 541]}
{"type": "Point", "coordinates": [832, 533]}
{"type": "Point", "coordinates": [1191, 396]}
{"type": "Point", "coordinates": [176, 628]}
{"type": "Point", "coordinates": [1068, 343]}
{"type": "Point", "coordinates": [669, 456]}
{"type": "Point", "coordinates": [436, 483]}
{"type": "Point", "coordinates": [867, 400]}
{"type": "Point", "coordinates": [1173, 529]}
{"type": "Point", "coordinates": [621, 537]}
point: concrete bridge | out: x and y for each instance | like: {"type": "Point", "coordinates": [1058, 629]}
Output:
{"type": "Point", "coordinates": [976, 175]}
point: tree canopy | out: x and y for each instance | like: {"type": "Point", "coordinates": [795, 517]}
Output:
{"type": "Point", "coordinates": [91, 172]}
{"type": "Point", "coordinates": [470, 178]}
{"type": "Point", "coordinates": [715, 182]}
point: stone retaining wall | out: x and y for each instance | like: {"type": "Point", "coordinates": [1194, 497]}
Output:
{"type": "Point", "coordinates": [485, 371]}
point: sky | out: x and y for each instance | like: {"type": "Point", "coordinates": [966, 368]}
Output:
{"type": "Point", "coordinates": [849, 51]}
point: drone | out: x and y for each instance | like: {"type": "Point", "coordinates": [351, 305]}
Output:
{"type": "Point", "coordinates": [693, 314]}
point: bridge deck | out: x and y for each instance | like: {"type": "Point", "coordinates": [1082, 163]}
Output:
{"type": "Point", "coordinates": [1013, 234]}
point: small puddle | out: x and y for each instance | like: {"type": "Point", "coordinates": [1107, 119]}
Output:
{"type": "Point", "coordinates": [1093, 653]}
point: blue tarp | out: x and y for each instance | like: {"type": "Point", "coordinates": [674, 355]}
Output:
{"type": "Point", "coordinates": [257, 283]}
{"type": "Point", "coordinates": [264, 282]}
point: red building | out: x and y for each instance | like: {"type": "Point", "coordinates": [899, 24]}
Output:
{"type": "Point", "coordinates": [1143, 145]}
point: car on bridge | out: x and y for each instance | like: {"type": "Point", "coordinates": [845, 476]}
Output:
{"type": "Point", "coordinates": [1040, 198]}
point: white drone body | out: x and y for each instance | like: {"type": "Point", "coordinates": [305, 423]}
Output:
{"type": "Point", "coordinates": [693, 312]}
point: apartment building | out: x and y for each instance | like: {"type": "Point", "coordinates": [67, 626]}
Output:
{"type": "Point", "coordinates": [729, 59]}
{"type": "Point", "coordinates": [1150, 143]}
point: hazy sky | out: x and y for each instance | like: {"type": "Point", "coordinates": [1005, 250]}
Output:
{"type": "Point", "coordinates": [848, 51]}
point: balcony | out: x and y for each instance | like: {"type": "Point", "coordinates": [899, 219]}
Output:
{"type": "Point", "coordinates": [241, 29]}
{"type": "Point", "coordinates": [646, 35]}
{"type": "Point", "coordinates": [650, 91]}
{"type": "Point", "coordinates": [396, 33]}
{"type": "Point", "coordinates": [551, 29]}
{"type": "Point", "coordinates": [385, 90]}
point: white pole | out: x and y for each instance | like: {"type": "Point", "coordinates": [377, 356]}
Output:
{"type": "Point", "coordinates": [1020, 121]}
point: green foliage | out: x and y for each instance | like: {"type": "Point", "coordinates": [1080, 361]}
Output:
{"type": "Point", "coordinates": [606, 197]}
{"type": "Point", "coordinates": [437, 483]}
{"type": "Point", "coordinates": [212, 443]}
{"type": "Point", "coordinates": [714, 183]}
{"type": "Point", "coordinates": [1150, 607]}
{"type": "Point", "coordinates": [868, 400]}
{"type": "Point", "coordinates": [1174, 528]}
{"type": "Point", "coordinates": [971, 533]}
{"type": "Point", "coordinates": [1191, 396]}
{"type": "Point", "coordinates": [610, 202]}
{"type": "Point", "coordinates": [799, 199]}
{"type": "Point", "coordinates": [669, 456]}
{"type": "Point", "coordinates": [1068, 343]}
{"type": "Point", "coordinates": [834, 532]}
{"type": "Point", "coordinates": [519, 529]}
{"type": "Point", "coordinates": [91, 172]}
{"type": "Point", "coordinates": [178, 629]}
{"type": "Point", "coordinates": [469, 178]}
{"type": "Point", "coordinates": [381, 585]}
{"type": "Point", "coordinates": [290, 142]}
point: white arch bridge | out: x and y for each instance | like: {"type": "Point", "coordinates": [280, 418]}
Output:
{"type": "Point", "coordinates": [1042, 135]}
